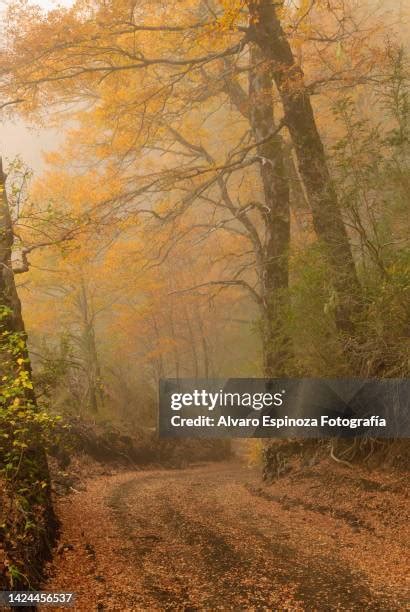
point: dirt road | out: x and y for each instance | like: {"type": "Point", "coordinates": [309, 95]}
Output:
{"type": "Point", "coordinates": [207, 538]}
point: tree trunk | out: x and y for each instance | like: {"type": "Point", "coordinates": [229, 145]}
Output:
{"type": "Point", "coordinates": [266, 31]}
{"type": "Point", "coordinates": [205, 347]}
{"type": "Point", "coordinates": [276, 215]}
{"type": "Point", "coordinates": [13, 322]}
{"type": "Point", "coordinates": [11, 363]}
{"type": "Point", "coordinates": [192, 343]}
{"type": "Point", "coordinates": [93, 371]}
{"type": "Point", "coordinates": [8, 293]}
{"type": "Point", "coordinates": [177, 361]}
{"type": "Point", "coordinates": [258, 108]}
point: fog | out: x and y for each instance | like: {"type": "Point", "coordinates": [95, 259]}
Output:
{"type": "Point", "coordinates": [28, 142]}
{"type": "Point", "coordinates": [19, 138]}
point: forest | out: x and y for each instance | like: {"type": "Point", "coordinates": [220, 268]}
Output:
{"type": "Point", "coordinates": [228, 197]}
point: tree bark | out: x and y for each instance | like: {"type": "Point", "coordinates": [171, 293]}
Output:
{"type": "Point", "coordinates": [93, 371]}
{"type": "Point", "coordinates": [8, 292]}
{"type": "Point", "coordinates": [13, 323]}
{"type": "Point", "coordinates": [204, 346]}
{"type": "Point", "coordinates": [266, 31]}
{"type": "Point", "coordinates": [276, 216]}
{"type": "Point", "coordinates": [192, 343]}
{"type": "Point", "coordinates": [258, 108]}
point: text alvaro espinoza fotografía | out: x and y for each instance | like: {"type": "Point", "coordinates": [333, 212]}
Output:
{"type": "Point", "coordinates": [279, 408]}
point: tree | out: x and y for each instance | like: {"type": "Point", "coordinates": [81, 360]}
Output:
{"type": "Point", "coordinates": [269, 233]}
{"type": "Point", "coordinates": [266, 31]}
{"type": "Point", "coordinates": [160, 142]}
{"type": "Point", "coordinates": [24, 427]}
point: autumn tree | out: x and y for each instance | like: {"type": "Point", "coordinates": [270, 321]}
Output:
{"type": "Point", "coordinates": [160, 142]}
{"type": "Point", "coordinates": [24, 427]}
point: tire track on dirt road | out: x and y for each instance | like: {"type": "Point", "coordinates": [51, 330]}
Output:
{"type": "Point", "coordinates": [203, 538]}
{"type": "Point", "coordinates": [221, 548]}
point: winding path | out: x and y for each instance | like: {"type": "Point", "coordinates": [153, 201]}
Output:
{"type": "Point", "coordinates": [203, 538]}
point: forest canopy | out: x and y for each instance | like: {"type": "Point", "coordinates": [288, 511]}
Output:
{"type": "Point", "coordinates": [231, 197]}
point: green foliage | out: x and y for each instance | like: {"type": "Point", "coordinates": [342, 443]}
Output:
{"type": "Point", "coordinates": [385, 349]}
{"type": "Point", "coordinates": [372, 172]}
{"type": "Point", "coordinates": [395, 96]}
{"type": "Point", "coordinates": [52, 366]}
{"type": "Point", "coordinates": [25, 432]}
{"type": "Point", "coordinates": [311, 321]}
